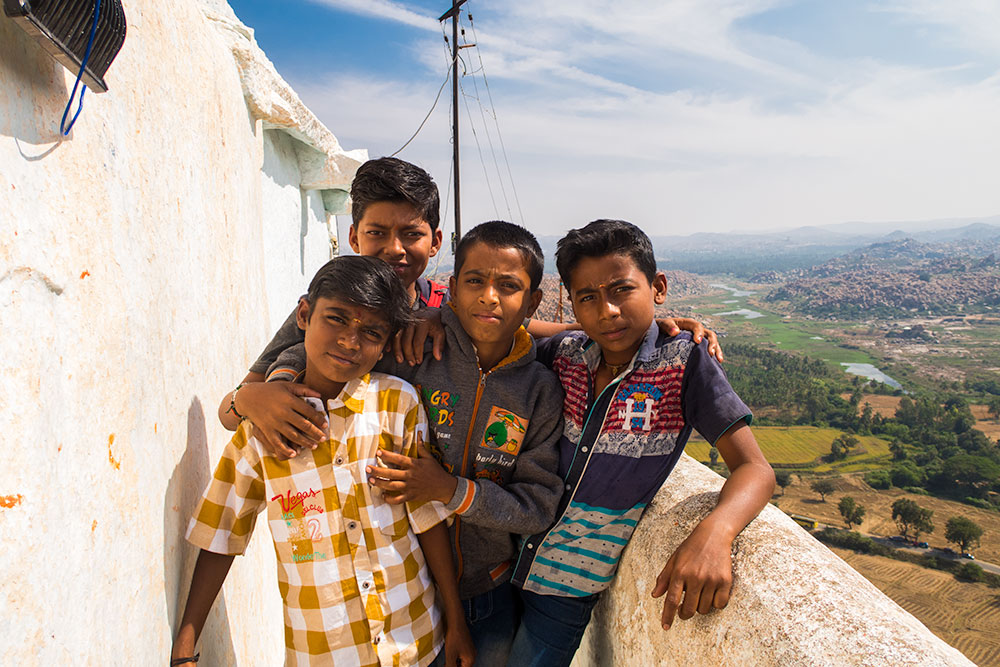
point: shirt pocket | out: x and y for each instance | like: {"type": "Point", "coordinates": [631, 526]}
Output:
{"type": "Point", "coordinates": [390, 520]}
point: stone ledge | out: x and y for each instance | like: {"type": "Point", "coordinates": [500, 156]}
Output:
{"type": "Point", "coordinates": [794, 602]}
{"type": "Point", "coordinates": [323, 163]}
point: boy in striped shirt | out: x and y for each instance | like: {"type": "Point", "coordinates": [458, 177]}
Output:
{"type": "Point", "coordinates": [633, 395]}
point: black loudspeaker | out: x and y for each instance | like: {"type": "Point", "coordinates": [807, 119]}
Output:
{"type": "Point", "coordinates": [63, 27]}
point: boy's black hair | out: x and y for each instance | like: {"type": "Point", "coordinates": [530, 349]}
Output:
{"type": "Point", "coordinates": [500, 234]}
{"type": "Point", "coordinates": [601, 238]}
{"type": "Point", "coordinates": [390, 179]}
{"type": "Point", "coordinates": [364, 281]}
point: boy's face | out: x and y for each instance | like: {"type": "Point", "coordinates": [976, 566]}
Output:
{"type": "Point", "coordinates": [343, 341]}
{"type": "Point", "coordinates": [492, 295]}
{"type": "Point", "coordinates": [614, 302]}
{"type": "Point", "coordinates": [396, 232]}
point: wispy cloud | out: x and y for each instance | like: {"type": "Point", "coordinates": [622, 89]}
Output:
{"type": "Point", "coordinates": [677, 114]}
{"type": "Point", "coordinates": [972, 25]}
{"type": "Point", "coordinates": [384, 9]}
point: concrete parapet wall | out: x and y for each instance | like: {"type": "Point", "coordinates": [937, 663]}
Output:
{"type": "Point", "coordinates": [794, 602]}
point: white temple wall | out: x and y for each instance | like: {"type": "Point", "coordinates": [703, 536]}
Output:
{"type": "Point", "coordinates": [144, 261]}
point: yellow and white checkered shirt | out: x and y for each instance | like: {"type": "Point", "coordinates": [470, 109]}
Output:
{"type": "Point", "coordinates": [353, 579]}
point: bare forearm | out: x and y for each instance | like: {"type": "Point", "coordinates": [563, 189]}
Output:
{"type": "Point", "coordinates": [743, 496]}
{"type": "Point", "coordinates": [209, 573]}
{"type": "Point", "coordinates": [226, 415]}
{"type": "Point", "coordinates": [750, 484]}
{"type": "Point", "coordinates": [437, 552]}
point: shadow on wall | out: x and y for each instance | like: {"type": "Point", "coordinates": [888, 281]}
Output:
{"type": "Point", "coordinates": [38, 90]}
{"type": "Point", "coordinates": [185, 487]}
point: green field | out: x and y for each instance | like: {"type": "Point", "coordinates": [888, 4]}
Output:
{"type": "Point", "coordinates": [774, 331]}
{"type": "Point", "coordinates": [797, 336]}
{"type": "Point", "coordinates": [802, 446]}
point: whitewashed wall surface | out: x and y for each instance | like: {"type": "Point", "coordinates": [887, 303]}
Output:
{"type": "Point", "coordinates": [144, 261]}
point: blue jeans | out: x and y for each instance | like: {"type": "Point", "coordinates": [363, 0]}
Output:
{"type": "Point", "coordinates": [492, 619]}
{"type": "Point", "coordinates": [551, 629]}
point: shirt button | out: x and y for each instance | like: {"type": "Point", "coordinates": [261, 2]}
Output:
{"type": "Point", "coordinates": [530, 545]}
{"type": "Point", "coordinates": [352, 526]}
{"type": "Point", "coordinates": [339, 460]}
{"type": "Point", "coordinates": [569, 486]}
{"type": "Point", "coordinates": [365, 585]}
{"type": "Point", "coordinates": [377, 640]}
{"type": "Point", "coordinates": [583, 449]}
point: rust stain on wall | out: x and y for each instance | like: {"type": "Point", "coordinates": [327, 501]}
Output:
{"type": "Point", "coordinates": [111, 457]}
{"type": "Point", "coordinates": [93, 526]}
{"type": "Point", "coordinates": [84, 275]}
{"type": "Point", "coordinates": [11, 501]}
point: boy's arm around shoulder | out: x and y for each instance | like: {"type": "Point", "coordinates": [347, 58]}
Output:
{"type": "Point", "coordinates": [701, 569]}
{"type": "Point", "coordinates": [527, 503]}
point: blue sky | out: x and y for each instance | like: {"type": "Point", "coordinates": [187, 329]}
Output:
{"type": "Point", "coordinates": [679, 115]}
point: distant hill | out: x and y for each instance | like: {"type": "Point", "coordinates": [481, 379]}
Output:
{"type": "Point", "coordinates": [747, 254]}
{"type": "Point", "coordinates": [892, 278]}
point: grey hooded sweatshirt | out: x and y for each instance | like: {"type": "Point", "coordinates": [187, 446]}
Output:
{"type": "Point", "coordinates": [498, 433]}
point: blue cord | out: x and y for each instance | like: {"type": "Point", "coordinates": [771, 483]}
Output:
{"type": "Point", "coordinates": [83, 65]}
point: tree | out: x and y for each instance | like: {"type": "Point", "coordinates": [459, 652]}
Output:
{"type": "Point", "coordinates": [865, 422]}
{"type": "Point", "coordinates": [912, 518]}
{"type": "Point", "coordinates": [713, 456]}
{"type": "Point", "coordinates": [852, 512]}
{"type": "Point", "coordinates": [971, 572]}
{"type": "Point", "coordinates": [842, 445]}
{"type": "Point", "coordinates": [878, 479]}
{"type": "Point", "coordinates": [898, 451]}
{"type": "Point", "coordinates": [973, 475]}
{"type": "Point", "coordinates": [906, 474]}
{"type": "Point", "coordinates": [836, 451]}
{"type": "Point", "coordinates": [822, 487]}
{"type": "Point", "coordinates": [994, 408]}
{"type": "Point", "coordinates": [782, 478]}
{"type": "Point", "coordinates": [963, 533]}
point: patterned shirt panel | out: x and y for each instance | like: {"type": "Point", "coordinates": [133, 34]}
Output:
{"type": "Point", "coordinates": [355, 586]}
{"type": "Point", "coordinates": [618, 447]}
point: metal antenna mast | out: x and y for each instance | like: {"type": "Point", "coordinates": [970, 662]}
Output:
{"type": "Point", "coordinates": [453, 14]}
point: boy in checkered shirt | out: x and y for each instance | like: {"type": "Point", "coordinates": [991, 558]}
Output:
{"type": "Point", "coordinates": [352, 568]}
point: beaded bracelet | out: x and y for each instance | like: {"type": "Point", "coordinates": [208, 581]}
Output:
{"type": "Point", "coordinates": [182, 661]}
{"type": "Point", "coordinates": [232, 403]}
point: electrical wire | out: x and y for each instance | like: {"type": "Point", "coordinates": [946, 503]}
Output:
{"type": "Point", "coordinates": [486, 127]}
{"type": "Point", "coordinates": [433, 106]}
{"type": "Point", "coordinates": [83, 65]}
{"type": "Point", "coordinates": [493, 153]}
{"type": "Point", "coordinates": [475, 135]}
{"type": "Point", "coordinates": [489, 94]}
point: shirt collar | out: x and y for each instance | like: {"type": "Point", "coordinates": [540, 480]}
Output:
{"type": "Point", "coordinates": [352, 396]}
{"type": "Point", "coordinates": [592, 351]}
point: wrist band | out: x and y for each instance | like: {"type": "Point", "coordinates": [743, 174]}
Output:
{"type": "Point", "coordinates": [232, 405]}
{"type": "Point", "coordinates": [181, 661]}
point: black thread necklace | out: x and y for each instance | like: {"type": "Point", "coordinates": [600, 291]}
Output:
{"type": "Point", "coordinates": [615, 370]}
